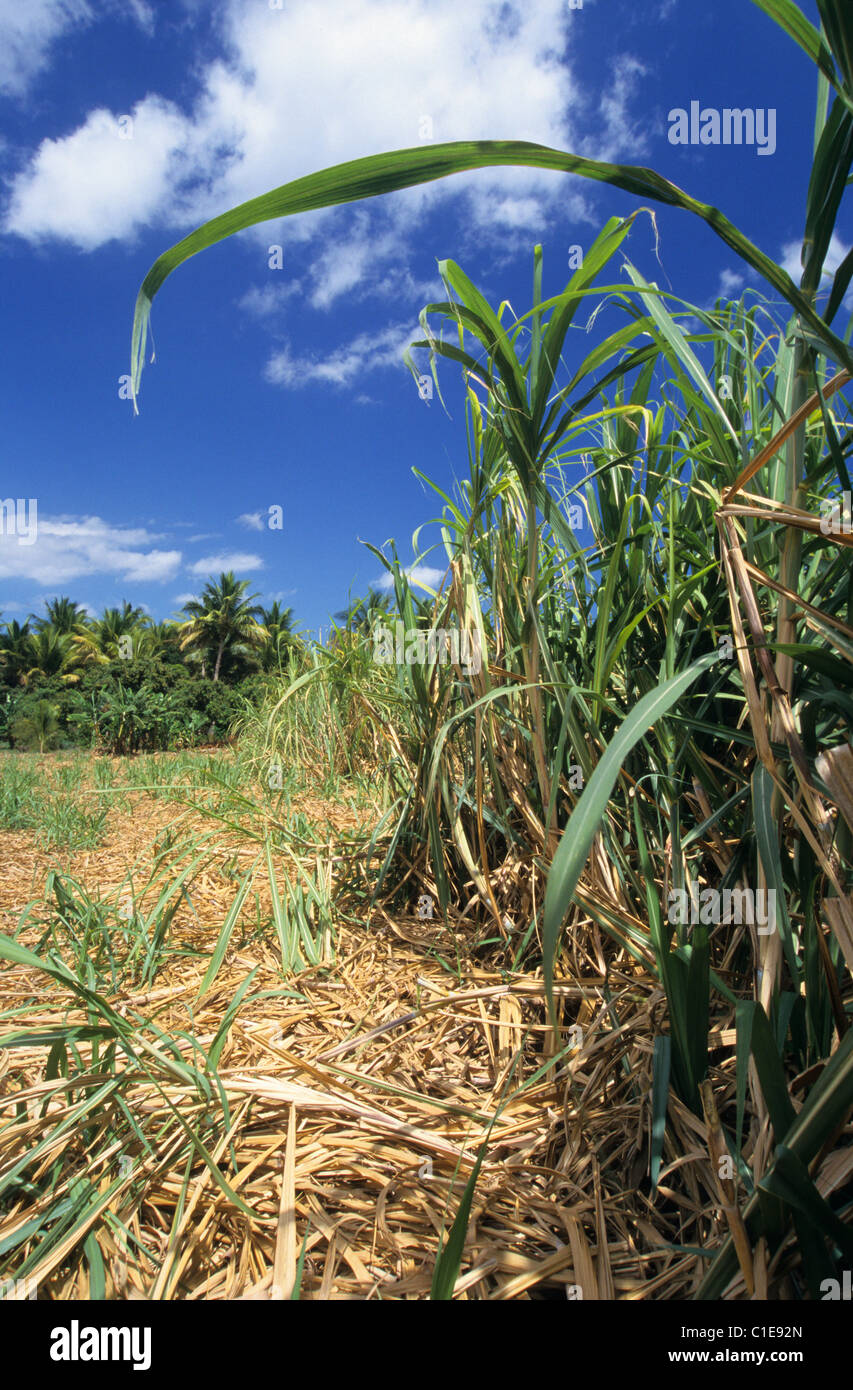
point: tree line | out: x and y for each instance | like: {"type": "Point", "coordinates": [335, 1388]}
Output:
{"type": "Point", "coordinates": [224, 634]}
{"type": "Point", "coordinates": [124, 683]}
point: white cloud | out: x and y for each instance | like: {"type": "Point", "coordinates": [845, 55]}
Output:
{"type": "Point", "coordinates": [790, 259]}
{"type": "Point", "coordinates": [791, 262]}
{"type": "Point", "coordinates": [730, 282]}
{"type": "Point", "coordinates": [619, 134]}
{"type": "Point", "coordinates": [397, 283]}
{"type": "Point", "coordinates": [422, 576]}
{"type": "Point", "coordinates": [253, 521]}
{"type": "Point", "coordinates": [372, 70]}
{"type": "Point", "coordinates": [142, 12]}
{"type": "Point", "coordinates": [357, 265]}
{"type": "Point", "coordinates": [312, 85]}
{"type": "Point", "coordinates": [298, 89]}
{"type": "Point", "coordinates": [227, 560]}
{"type": "Point", "coordinates": [102, 182]}
{"type": "Point", "coordinates": [67, 548]}
{"type": "Point", "coordinates": [30, 29]}
{"type": "Point", "coordinates": [345, 263]}
{"type": "Point", "coordinates": [341, 268]}
{"type": "Point", "coordinates": [262, 301]}
{"type": "Point", "coordinates": [368, 352]}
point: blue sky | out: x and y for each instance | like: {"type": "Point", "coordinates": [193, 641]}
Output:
{"type": "Point", "coordinates": [126, 123]}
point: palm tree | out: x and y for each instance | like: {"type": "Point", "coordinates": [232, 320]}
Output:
{"type": "Point", "coordinates": [361, 613]}
{"type": "Point", "coordinates": [64, 615]}
{"type": "Point", "coordinates": [281, 641]}
{"type": "Point", "coordinates": [161, 640]}
{"type": "Point", "coordinates": [224, 619]}
{"type": "Point", "coordinates": [16, 651]}
{"type": "Point", "coordinates": [102, 640]}
{"type": "Point", "coordinates": [278, 617]}
{"type": "Point", "coordinates": [52, 654]}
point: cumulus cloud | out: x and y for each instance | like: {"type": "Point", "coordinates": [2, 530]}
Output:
{"type": "Point", "coordinates": [307, 86]}
{"type": "Point", "coordinates": [103, 181]}
{"type": "Point", "coordinates": [67, 548]}
{"type": "Point", "coordinates": [253, 521]}
{"type": "Point", "coordinates": [297, 89]}
{"type": "Point", "coordinates": [226, 560]}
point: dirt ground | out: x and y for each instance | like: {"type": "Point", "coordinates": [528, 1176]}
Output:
{"type": "Point", "coordinates": [350, 1104]}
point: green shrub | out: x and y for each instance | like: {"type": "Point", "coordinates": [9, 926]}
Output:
{"type": "Point", "coordinates": [37, 729]}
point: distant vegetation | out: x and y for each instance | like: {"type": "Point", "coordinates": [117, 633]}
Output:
{"type": "Point", "coordinates": [123, 683]}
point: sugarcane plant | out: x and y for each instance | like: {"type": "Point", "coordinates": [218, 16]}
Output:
{"type": "Point", "coordinates": [666, 704]}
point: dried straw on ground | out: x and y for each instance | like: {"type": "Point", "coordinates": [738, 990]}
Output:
{"type": "Point", "coordinates": [356, 1105]}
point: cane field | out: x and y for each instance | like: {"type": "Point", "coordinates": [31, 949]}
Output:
{"type": "Point", "coordinates": [512, 966]}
